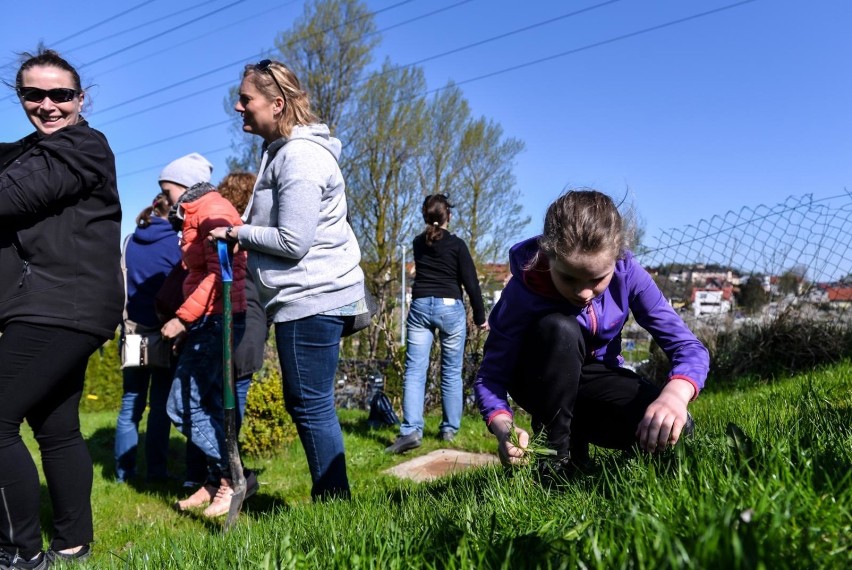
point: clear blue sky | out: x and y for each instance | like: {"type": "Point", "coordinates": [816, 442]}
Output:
{"type": "Point", "coordinates": [740, 107]}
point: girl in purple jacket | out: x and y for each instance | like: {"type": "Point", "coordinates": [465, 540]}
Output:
{"type": "Point", "coordinates": [555, 343]}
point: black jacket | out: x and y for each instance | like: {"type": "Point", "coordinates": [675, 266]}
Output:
{"type": "Point", "coordinates": [443, 268]}
{"type": "Point", "coordinates": [60, 232]}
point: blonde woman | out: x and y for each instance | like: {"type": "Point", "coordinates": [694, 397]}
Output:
{"type": "Point", "coordinates": [303, 257]}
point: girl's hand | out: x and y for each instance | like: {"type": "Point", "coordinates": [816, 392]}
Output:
{"type": "Point", "coordinates": [484, 326]}
{"type": "Point", "coordinates": [173, 328]}
{"type": "Point", "coordinates": [506, 432]}
{"type": "Point", "coordinates": [665, 417]}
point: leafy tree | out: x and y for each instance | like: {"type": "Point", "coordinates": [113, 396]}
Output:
{"type": "Point", "coordinates": [381, 181]}
{"type": "Point", "coordinates": [792, 280]}
{"type": "Point", "coordinates": [752, 296]}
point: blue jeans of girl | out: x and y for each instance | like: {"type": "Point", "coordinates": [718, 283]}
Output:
{"type": "Point", "coordinates": [195, 399]}
{"type": "Point", "coordinates": [308, 350]}
{"type": "Point", "coordinates": [448, 317]}
{"type": "Point", "coordinates": [133, 402]}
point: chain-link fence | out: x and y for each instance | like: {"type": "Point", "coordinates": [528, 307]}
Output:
{"type": "Point", "coordinates": [784, 269]}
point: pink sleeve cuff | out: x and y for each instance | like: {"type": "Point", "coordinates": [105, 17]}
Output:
{"type": "Point", "coordinates": [496, 414]}
{"type": "Point", "coordinates": [691, 381]}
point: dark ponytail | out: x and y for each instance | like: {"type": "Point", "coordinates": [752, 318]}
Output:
{"type": "Point", "coordinates": [436, 213]}
{"type": "Point", "coordinates": [159, 208]}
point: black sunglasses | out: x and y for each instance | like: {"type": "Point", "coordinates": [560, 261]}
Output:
{"type": "Point", "coordinates": [264, 65]}
{"type": "Point", "coordinates": [37, 95]}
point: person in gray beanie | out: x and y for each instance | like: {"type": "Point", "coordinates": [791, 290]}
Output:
{"type": "Point", "coordinates": [187, 171]}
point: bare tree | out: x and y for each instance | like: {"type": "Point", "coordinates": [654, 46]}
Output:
{"type": "Point", "coordinates": [381, 178]}
{"type": "Point", "coordinates": [490, 215]}
{"type": "Point", "coordinates": [437, 168]}
{"type": "Point", "coordinates": [328, 48]}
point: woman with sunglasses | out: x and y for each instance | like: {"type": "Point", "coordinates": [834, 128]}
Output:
{"type": "Point", "coordinates": [61, 298]}
{"type": "Point", "coordinates": [303, 256]}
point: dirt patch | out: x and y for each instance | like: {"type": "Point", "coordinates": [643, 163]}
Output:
{"type": "Point", "coordinates": [440, 463]}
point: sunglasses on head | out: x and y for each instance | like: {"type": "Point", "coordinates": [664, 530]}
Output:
{"type": "Point", "coordinates": [57, 95]}
{"type": "Point", "coordinates": [264, 66]}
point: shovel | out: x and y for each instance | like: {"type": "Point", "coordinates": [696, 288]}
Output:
{"type": "Point", "coordinates": [238, 479]}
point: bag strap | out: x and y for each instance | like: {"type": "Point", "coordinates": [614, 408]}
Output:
{"type": "Point", "coordinates": [124, 279]}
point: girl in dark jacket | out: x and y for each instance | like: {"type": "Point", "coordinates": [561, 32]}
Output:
{"type": "Point", "coordinates": [150, 254]}
{"type": "Point", "coordinates": [60, 299]}
{"type": "Point", "coordinates": [444, 266]}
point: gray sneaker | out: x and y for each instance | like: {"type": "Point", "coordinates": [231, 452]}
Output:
{"type": "Point", "coordinates": [447, 435]}
{"type": "Point", "coordinates": [9, 561]}
{"type": "Point", "coordinates": [404, 443]}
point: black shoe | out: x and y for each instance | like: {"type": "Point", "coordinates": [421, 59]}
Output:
{"type": "Point", "coordinates": [14, 562]}
{"type": "Point", "coordinates": [556, 471]}
{"type": "Point", "coordinates": [404, 443]}
{"type": "Point", "coordinates": [53, 556]}
{"type": "Point", "coordinates": [447, 435]}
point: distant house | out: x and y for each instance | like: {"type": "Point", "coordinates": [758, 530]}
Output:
{"type": "Point", "coordinates": [711, 300]}
{"type": "Point", "coordinates": [840, 296]}
{"type": "Point", "coordinates": [493, 278]}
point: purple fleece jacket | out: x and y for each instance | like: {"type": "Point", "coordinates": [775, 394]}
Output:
{"type": "Point", "coordinates": [631, 289]}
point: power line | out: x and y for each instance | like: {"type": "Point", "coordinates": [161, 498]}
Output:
{"type": "Point", "coordinates": [229, 82]}
{"type": "Point", "coordinates": [161, 34]}
{"type": "Point", "coordinates": [593, 45]}
{"type": "Point", "coordinates": [177, 136]}
{"type": "Point", "coordinates": [137, 27]}
{"type": "Point", "coordinates": [160, 165]}
{"type": "Point", "coordinates": [541, 60]}
{"type": "Point", "coordinates": [102, 22]}
{"type": "Point", "coordinates": [172, 46]}
{"type": "Point", "coordinates": [244, 59]}
{"type": "Point", "coordinates": [430, 58]}
{"type": "Point", "coordinates": [92, 27]}
{"type": "Point", "coordinates": [511, 33]}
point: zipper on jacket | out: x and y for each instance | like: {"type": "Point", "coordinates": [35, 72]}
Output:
{"type": "Point", "coordinates": [593, 322]}
{"type": "Point", "coordinates": [8, 515]}
{"type": "Point", "coordinates": [24, 272]}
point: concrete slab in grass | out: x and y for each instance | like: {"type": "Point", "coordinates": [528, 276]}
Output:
{"type": "Point", "coordinates": [439, 463]}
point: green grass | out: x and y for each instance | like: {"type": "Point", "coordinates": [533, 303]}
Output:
{"type": "Point", "coordinates": [778, 497]}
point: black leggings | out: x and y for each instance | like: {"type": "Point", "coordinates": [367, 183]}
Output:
{"type": "Point", "coordinates": [573, 400]}
{"type": "Point", "coordinates": [42, 369]}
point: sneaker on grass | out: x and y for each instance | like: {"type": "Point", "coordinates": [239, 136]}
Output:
{"type": "Point", "coordinates": [405, 442]}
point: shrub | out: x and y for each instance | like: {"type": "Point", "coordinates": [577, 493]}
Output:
{"type": "Point", "coordinates": [795, 341]}
{"type": "Point", "coordinates": [267, 426]}
{"type": "Point", "coordinates": [103, 388]}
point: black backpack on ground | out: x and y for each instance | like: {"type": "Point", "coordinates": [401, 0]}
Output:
{"type": "Point", "coordinates": [381, 411]}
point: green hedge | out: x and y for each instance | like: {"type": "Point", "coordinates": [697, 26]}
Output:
{"type": "Point", "coordinates": [268, 427]}
{"type": "Point", "coordinates": [103, 388]}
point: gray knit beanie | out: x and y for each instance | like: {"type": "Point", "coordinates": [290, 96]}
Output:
{"type": "Point", "coordinates": [187, 170]}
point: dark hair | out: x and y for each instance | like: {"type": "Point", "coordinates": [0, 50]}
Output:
{"type": "Point", "coordinates": [436, 213]}
{"type": "Point", "coordinates": [583, 221]}
{"type": "Point", "coordinates": [48, 58]}
{"type": "Point", "coordinates": [159, 207]}
{"type": "Point", "coordinates": [236, 188]}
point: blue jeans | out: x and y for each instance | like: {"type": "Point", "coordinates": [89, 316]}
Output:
{"type": "Point", "coordinates": [424, 316]}
{"type": "Point", "coordinates": [195, 399]}
{"type": "Point", "coordinates": [133, 403]}
{"type": "Point", "coordinates": [308, 350]}
{"type": "Point", "coordinates": [196, 461]}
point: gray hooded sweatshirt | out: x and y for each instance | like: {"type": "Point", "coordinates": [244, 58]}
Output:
{"type": "Point", "coordinates": [303, 255]}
